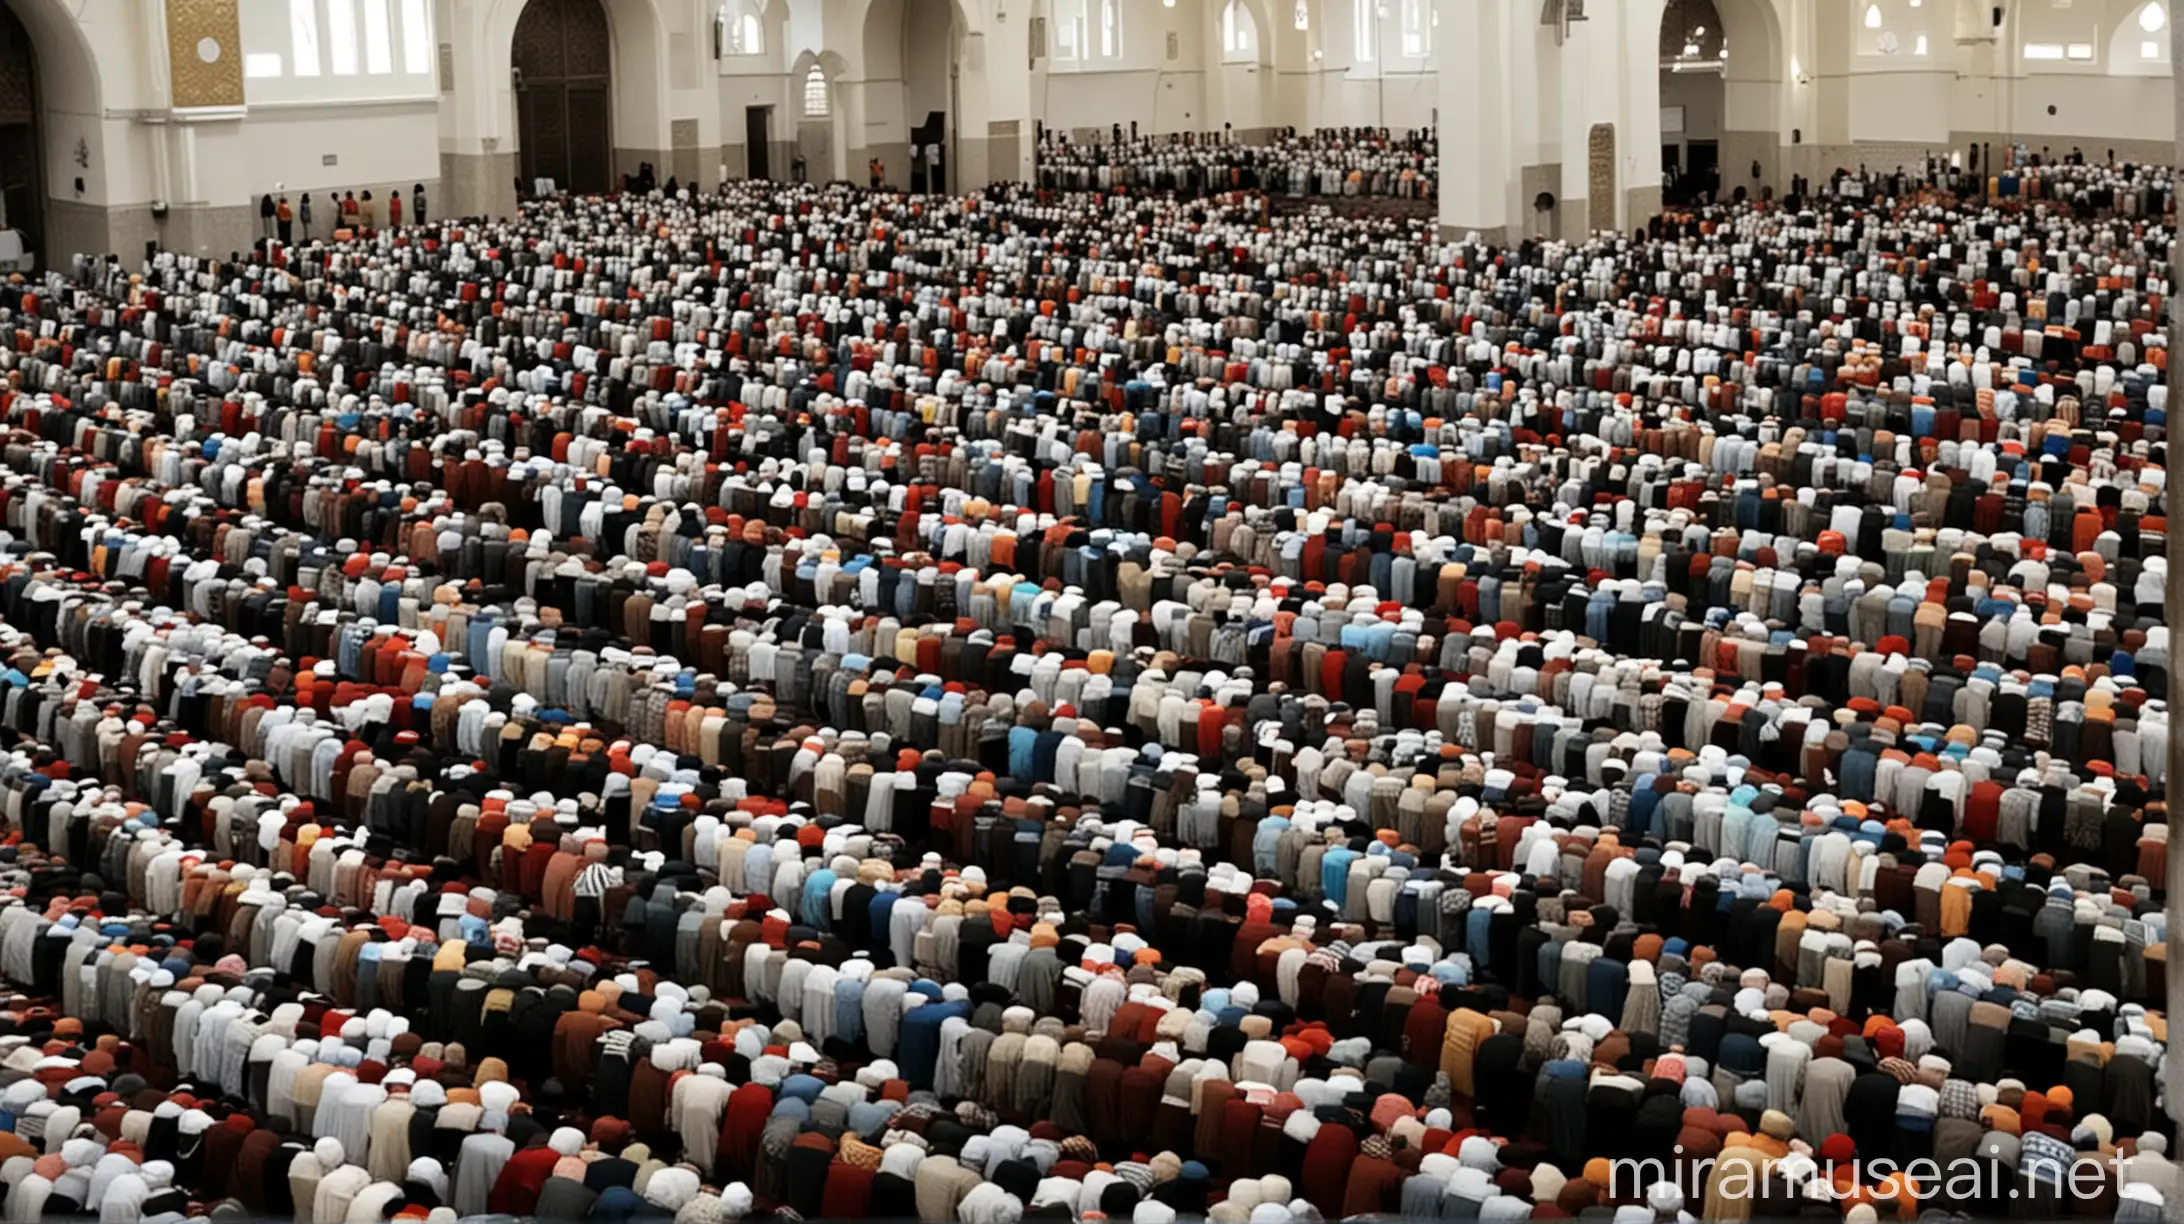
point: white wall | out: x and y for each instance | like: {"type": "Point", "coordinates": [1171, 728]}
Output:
{"type": "Point", "coordinates": [236, 162]}
{"type": "Point", "coordinates": [1701, 95]}
{"type": "Point", "coordinates": [1901, 105]}
{"type": "Point", "coordinates": [1979, 80]}
{"type": "Point", "coordinates": [379, 127]}
{"type": "Point", "coordinates": [925, 75]}
{"type": "Point", "coordinates": [1319, 77]}
{"type": "Point", "coordinates": [2092, 109]}
{"type": "Point", "coordinates": [1143, 84]}
{"type": "Point", "coordinates": [2114, 96]}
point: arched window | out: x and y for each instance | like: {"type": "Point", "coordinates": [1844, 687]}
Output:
{"type": "Point", "coordinates": [2140, 44]}
{"type": "Point", "coordinates": [1418, 25]}
{"type": "Point", "coordinates": [815, 93]}
{"type": "Point", "coordinates": [1418, 21]}
{"type": "Point", "coordinates": [1365, 28]}
{"type": "Point", "coordinates": [739, 22]}
{"type": "Point", "coordinates": [303, 31]}
{"type": "Point", "coordinates": [1069, 30]}
{"type": "Point", "coordinates": [1239, 33]}
{"type": "Point", "coordinates": [1110, 28]}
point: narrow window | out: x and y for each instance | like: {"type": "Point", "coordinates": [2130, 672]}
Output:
{"type": "Point", "coordinates": [416, 37]}
{"type": "Point", "coordinates": [341, 32]}
{"type": "Point", "coordinates": [303, 36]}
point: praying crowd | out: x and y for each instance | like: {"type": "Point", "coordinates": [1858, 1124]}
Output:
{"type": "Point", "coordinates": [1334, 162]}
{"type": "Point", "coordinates": [818, 703]}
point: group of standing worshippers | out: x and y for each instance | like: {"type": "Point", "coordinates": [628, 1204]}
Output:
{"type": "Point", "coordinates": [278, 219]}
{"type": "Point", "coordinates": [1332, 162]}
{"type": "Point", "coordinates": [816, 702]}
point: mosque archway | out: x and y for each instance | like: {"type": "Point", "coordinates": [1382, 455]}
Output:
{"type": "Point", "coordinates": [22, 190]}
{"type": "Point", "coordinates": [564, 83]}
{"type": "Point", "coordinates": [1694, 67]}
{"type": "Point", "coordinates": [911, 53]}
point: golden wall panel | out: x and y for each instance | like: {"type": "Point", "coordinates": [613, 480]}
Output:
{"type": "Point", "coordinates": [197, 29]}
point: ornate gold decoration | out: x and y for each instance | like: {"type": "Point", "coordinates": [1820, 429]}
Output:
{"type": "Point", "coordinates": [197, 82]}
{"type": "Point", "coordinates": [18, 78]}
{"type": "Point", "coordinates": [1600, 177]}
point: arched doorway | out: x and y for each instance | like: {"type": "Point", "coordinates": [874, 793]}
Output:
{"type": "Point", "coordinates": [1694, 64]}
{"type": "Point", "coordinates": [564, 64]}
{"type": "Point", "coordinates": [22, 196]}
{"type": "Point", "coordinates": [821, 152]}
{"type": "Point", "coordinates": [910, 52]}
{"type": "Point", "coordinates": [929, 84]}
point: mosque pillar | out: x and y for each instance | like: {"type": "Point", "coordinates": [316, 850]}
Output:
{"type": "Point", "coordinates": [1477, 169]}
{"type": "Point", "coordinates": [477, 112]}
{"type": "Point", "coordinates": [694, 118]}
{"type": "Point", "coordinates": [1610, 121]}
{"type": "Point", "coordinates": [645, 78]}
{"type": "Point", "coordinates": [991, 96]}
{"type": "Point", "coordinates": [971, 112]}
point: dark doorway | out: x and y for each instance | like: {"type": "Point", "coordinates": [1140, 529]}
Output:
{"type": "Point", "coordinates": [563, 59]}
{"type": "Point", "coordinates": [21, 191]}
{"type": "Point", "coordinates": [1704, 171]}
{"type": "Point", "coordinates": [758, 142]}
{"type": "Point", "coordinates": [929, 153]}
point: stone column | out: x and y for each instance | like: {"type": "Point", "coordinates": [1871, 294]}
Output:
{"type": "Point", "coordinates": [1476, 167]}
{"type": "Point", "coordinates": [477, 116]}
